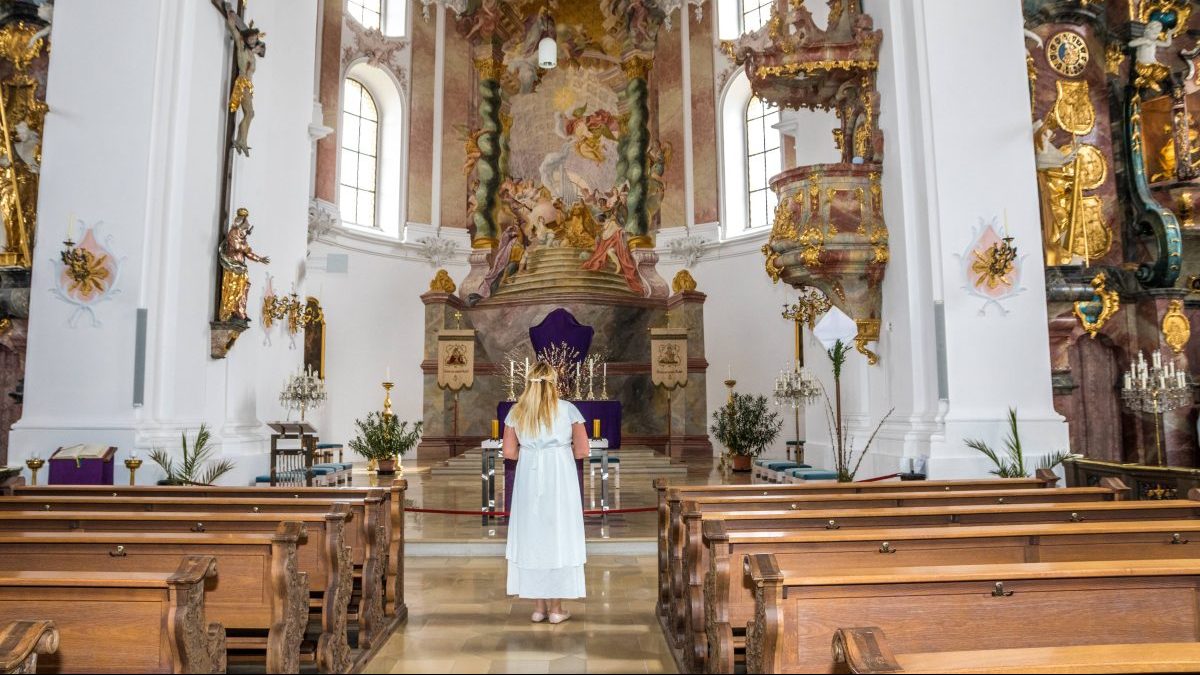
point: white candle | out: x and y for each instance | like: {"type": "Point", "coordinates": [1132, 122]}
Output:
{"type": "Point", "coordinates": [388, 376]}
{"type": "Point", "coordinates": [728, 372]}
{"type": "Point", "coordinates": [511, 367]}
{"type": "Point", "coordinates": [133, 454]}
{"type": "Point", "coordinates": [1157, 359]}
{"type": "Point", "coordinates": [1126, 380]}
{"type": "Point", "coordinates": [71, 228]}
{"type": "Point", "coordinates": [526, 366]}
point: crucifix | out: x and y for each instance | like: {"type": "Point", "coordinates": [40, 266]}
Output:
{"type": "Point", "coordinates": [248, 47]}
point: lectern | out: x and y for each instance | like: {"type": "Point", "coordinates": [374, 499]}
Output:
{"type": "Point", "coordinates": [293, 446]}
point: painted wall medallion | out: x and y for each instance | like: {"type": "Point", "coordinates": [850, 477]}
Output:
{"type": "Point", "coordinates": [87, 274]}
{"type": "Point", "coordinates": [1067, 54]}
{"type": "Point", "coordinates": [992, 266]}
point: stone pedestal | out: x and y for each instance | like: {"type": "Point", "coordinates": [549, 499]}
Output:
{"type": "Point", "coordinates": [622, 335]}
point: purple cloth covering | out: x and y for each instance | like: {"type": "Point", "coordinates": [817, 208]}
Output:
{"type": "Point", "coordinates": [561, 326]}
{"type": "Point", "coordinates": [91, 471]}
{"type": "Point", "coordinates": [609, 414]}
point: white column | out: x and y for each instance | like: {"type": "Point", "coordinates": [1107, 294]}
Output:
{"type": "Point", "coordinates": [137, 145]}
{"type": "Point", "coordinates": [955, 118]}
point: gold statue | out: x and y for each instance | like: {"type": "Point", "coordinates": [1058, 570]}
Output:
{"type": "Point", "coordinates": [442, 283]}
{"type": "Point", "coordinates": [22, 116]}
{"type": "Point", "coordinates": [1166, 154]}
{"type": "Point", "coordinates": [1072, 224]}
{"type": "Point", "coordinates": [683, 281]}
{"type": "Point", "coordinates": [235, 278]}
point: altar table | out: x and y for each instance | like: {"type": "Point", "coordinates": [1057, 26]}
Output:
{"type": "Point", "coordinates": [491, 449]}
{"type": "Point", "coordinates": [608, 412]}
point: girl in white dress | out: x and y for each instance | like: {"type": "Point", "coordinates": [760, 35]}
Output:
{"type": "Point", "coordinates": [546, 550]}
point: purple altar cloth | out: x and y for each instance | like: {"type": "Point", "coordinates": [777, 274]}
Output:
{"type": "Point", "coordinates": [609, 414]}
{"type": "Point", "coordinates": [561, 326]}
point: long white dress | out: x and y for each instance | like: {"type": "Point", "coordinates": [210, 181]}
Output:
{"type": "Point", "coordinates": [546, 549]}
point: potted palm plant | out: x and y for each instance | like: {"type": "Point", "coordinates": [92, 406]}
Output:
{"type": "Point", "coordinates": [746, 427]}
{"type": "Point", "coordinates": [194, 467]}
{"type": "Point", "coordinates": [1012, 464]}
{"type": "Point", "coordinates": [382, 437]}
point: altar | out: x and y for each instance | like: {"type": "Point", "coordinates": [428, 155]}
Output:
{"type": "Point", "coordinates": [607, 413]}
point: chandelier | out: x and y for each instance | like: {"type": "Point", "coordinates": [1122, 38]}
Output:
{"type": "Point", "coordinates": [796, 388]}
{"type": "Point", "coordinates": [303, 391]}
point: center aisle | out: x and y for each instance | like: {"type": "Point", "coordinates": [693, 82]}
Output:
{"type": "Point", "coordinates": [460, 621]}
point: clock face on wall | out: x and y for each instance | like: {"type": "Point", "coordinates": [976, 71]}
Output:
{"type": "Point", "coordinates": [1067, 53]}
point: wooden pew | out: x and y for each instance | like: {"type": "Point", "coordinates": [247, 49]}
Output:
{"type": "Point", "coordinates": [687, 559]}
{"type": "Point", "coordinates": [367, 540]}
{"type": "Point", "coordinates": [868, 650]}
{"type": "Point", "coordinates": [1044, 479]}
{"type": "Point", "coordinates": [989, 606]}
{"type": "Point", "coordinates": [323, 555]}
{"type": "Point", "coordinates": [122, 622]}
{"type": "Point", "coordinates": [22, 641]}
{"type": "Point", "coordinates": [393, 512]}
{"type": "Point", "coordinates": [728, 599]}
{"type": "Point", "coordinates": [259, 586]}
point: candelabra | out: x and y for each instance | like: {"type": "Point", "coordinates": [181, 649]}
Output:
{"type": "Point", "coordinates": [133, 464]}
{"type": "Point", "coordinates": [277, 308]}
{"type": "Point", "coordinates": [1156, 389]}
{"type": "Point", "coordinates": [303, 391]}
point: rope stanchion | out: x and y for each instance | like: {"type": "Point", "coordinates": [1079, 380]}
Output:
{"type": "Point", "coordinates": [586, 512]}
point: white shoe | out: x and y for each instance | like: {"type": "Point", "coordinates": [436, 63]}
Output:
{"type": "Point", "coordinates": [559, 618]}
{"type": "Point", "coordinates": [537, 617]}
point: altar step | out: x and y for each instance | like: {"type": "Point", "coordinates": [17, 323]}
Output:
{"type": "Point", "coordinates": [557, 270]}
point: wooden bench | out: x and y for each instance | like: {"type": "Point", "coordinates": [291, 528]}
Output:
{"type": "Point", "coordinates": [323, 556]}
{"type": "Point", "coordinates": [367, 539]}
{"type": "Point", "coordinates": [22, 641]}
{"type": "Point", "coordinates": [393, 512]}
{"type": "Point", "coordinates": [122, 622]}
{"type": "Point", "coordinates": [259, 587]}
{"type": "Point", "coordinates": [688, 562]}
{"type": "Point", "coordinates": [868, 650]}
{"type": "Point", "coordinates": [728, 600]}
{"type": "Point", "coordinates": [666, 516]}
{"type": "Point", "coordinates": [989, 606]}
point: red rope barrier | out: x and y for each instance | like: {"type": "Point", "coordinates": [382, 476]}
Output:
{"type": "Point", "coordinates": [586, 512]}
{"type": "Point", "coordinates": [878, 478]}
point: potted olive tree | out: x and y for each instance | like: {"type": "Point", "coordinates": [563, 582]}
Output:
{"type": "Point", "coordinates": [746, 427]}
{"type": "Point", "coordinates": [383, 438]}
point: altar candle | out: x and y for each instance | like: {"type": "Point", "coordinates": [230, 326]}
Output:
{"type": "Point", "coordinates": [511, 368]}
{"type": "Point", "coordinates": [606, 371]}
{"type": "Point", "coordinates": [1127, 380]}
{"type": "Point", "coordinates": [1157, 359]}
{"type": "Point", "coordinates": [596, 428]}
{"type": "Point", "coordinates": [71, 228]}
{"type": "Point", "coordinates": [388, 376]}
{"type": "Point", "coordinates": [728, 372]}
{"type": "Point", "coordinates": [495, 428]}
{"type": "Point", "coordinates": [526, 367]}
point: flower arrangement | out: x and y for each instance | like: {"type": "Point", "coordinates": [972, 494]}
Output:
{"type": "Point", "coordinates": [383, 437]}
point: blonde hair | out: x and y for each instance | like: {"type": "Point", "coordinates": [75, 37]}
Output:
{"type": "Point", "coordinates": [539, 402]}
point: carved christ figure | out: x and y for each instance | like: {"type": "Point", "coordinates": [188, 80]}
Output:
{"type": "Point", "coordinates": [234, 252]}
{"type": "Point", "coordinates": [612, 247]}
{"type": "Point", "coordinates": [248, 47]}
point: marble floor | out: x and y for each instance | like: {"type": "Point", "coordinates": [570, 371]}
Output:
{"type": "Point", "coordinates": [461, 621]}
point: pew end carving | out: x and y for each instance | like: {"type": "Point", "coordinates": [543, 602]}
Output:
{"type": "Point", "coordinates": [22, 642]}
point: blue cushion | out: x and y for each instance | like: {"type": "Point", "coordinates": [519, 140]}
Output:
{"type": "Point", "coordinates": [326, 465]}
{"type": "Point", "coordinates": [813, 474]}
{"type": "Point", "coordinates": [598, 460]}
{"type": "Point", "coordinates": [322, 470]}
{"type": "Point", "coordinates": [782, 466]}
{"type": "Point", "coordinates": [762, 462]}
{"type": "Point", "coordinates": [328, 446]}
{"type": "Point", "coordinates": [346, 466]}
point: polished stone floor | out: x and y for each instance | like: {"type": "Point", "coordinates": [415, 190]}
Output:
{"type": "Point", "coordinates": [460, 621]}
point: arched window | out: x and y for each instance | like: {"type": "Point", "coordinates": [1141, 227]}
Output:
{"type": "Point", "coordinates": [359, 166]}
{"type": "Point", "coordinates": [763, 161]}
{"type": "Point", "coordinates": [755, 13]}
{"type": "Point", "coordinates": [368, 13]}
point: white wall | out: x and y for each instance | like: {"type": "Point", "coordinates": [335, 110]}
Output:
{"type": "Point", "coordinates": [137, 144]}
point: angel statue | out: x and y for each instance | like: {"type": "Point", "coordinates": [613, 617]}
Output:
{"type": "Point", "coordinates": [1150, 72]}
{"type": "Point", "coordinates": [248, 47]}
{"type": "Point", "coordinates": [235, 274]}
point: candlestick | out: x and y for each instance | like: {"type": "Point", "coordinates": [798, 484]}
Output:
{"type": "Point", "coordinates": [596, 428]}
{"type": "Point", "coordinates": [387, 399]}
{"type": "Point", "coordinates": [34, 463]}
{"type": "Point", "coordinates": [495, 429]}
{"type": "Point", "coordinates": [604, 383]}
{"type": "Point", "coordinates": [133, 463]}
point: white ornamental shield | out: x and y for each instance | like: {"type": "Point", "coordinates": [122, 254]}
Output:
{"type": "Point", "coordinates": [456, 359]}
{"type": "Point", "coordinates": [668, 357]}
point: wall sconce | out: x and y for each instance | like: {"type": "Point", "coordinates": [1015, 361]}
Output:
{"type": "Point", "coordinates": [298, 315]}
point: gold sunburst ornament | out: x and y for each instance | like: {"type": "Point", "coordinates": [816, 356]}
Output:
{"type": "Point", "coordinates": [994, 264]}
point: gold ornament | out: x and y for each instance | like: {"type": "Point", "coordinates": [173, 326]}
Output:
{"type": "Point", "coordinates": [1149, 75]}
{"type": "Point", "coordinates": [1073, 108]}
{"type": "Point", "coordinates": [1093, 168]}
{"type": "Point", "coordinates": [490, 68]}
{"type": "Point", "coordinates": [484, 242]}
{"type": "Point", "coordinates": [641, 241]}
{"type": "Point", "coordinates": [683, 281]}
{"type": "Point", "coordinates": [773, 270]}
{"type": "Point", "coordinates": [1176, 328]}
{"type": "Point", "coordinates": [1110, 302]}
{"type": "Point", "coordinates": [1114, 56]}
{"type": "Point", "coordinates": [637, 67]}
{"type": "Point", "coordinates": [1067, 53]}
{"type": "Point", "coordinates": [868, 331]}
{"type": "Point", "coordinates": [442, 283]}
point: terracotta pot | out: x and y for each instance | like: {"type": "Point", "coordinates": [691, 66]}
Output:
{"type": "Point", "coordinates": [741, 462]}
{"type": "Point", "coordinates": [387, 466]}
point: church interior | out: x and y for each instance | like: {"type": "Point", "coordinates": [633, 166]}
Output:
{"type": "Point", "coordinates": [876, 313]}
